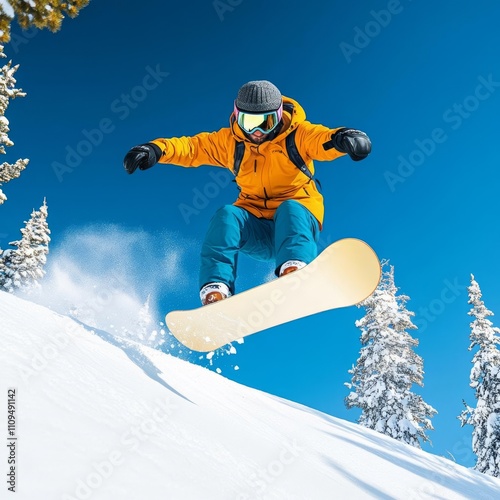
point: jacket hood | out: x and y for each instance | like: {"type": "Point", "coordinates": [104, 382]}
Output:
{"type": "Point", "coordinates": [293, 115]}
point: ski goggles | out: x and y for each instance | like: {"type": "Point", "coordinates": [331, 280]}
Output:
{"type": "Point", "coordinates": [264, 122]}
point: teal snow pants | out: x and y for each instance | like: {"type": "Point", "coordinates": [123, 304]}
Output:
{"type": "Point", "coordinates": [292, 234]}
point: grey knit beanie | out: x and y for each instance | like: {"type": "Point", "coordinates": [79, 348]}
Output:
{"type": "Point", "coordinates": [258, 97]}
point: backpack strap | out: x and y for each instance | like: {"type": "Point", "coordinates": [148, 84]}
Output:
{"type": "Point", "coordinates": [239, 152]}
{"type": "Point", "coordinates": [294, 155]}
{"type": "Point", "coordinates": [291, 149]}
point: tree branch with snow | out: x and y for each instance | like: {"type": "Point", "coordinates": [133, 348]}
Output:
{"type": "Point", "coordinates": [8, 91]}
{"type": "Point", "coordinates": [39, 13]}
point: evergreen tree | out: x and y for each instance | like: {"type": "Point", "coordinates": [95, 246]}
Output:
{"type": "Point", "coordinates": [8, 91]}
{"type": "Point", "coordinates": [485, 379]}
{"type": "Point", "coordinates": [39, 13]}
{"type": "Point", "coordinates": [388, 367]}
{"type": "Point", "coordinates": [22, 268]}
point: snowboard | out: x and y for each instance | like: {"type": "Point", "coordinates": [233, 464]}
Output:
{"type": "Point", "coordinates": [344, 274]}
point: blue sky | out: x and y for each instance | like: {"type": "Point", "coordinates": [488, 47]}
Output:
{"type": "Point", "coordinates": [422, 79]}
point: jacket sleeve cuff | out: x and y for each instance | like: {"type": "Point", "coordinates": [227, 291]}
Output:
{"type": "Point", "coordinates": [161, 148]}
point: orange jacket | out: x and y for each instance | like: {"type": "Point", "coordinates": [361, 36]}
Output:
{"type": "Point", "coordinates": [266, 177]}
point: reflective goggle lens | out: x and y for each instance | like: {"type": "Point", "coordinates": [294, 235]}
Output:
{"type": "Point", "coordinates": [265, 122]}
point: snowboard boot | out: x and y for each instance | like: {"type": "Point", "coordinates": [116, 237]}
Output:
{"type": "Point", "coordinates": [290, 266]}
{"type": "Point", "coordinates": [213, 292]}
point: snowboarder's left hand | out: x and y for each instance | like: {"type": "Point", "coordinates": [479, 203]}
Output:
{"type": "Point", "coordinates": [143, 156]}
{"type": "Point", "coordinates": [353, 142]}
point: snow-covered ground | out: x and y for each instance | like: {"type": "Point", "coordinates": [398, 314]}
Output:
{"type": "Point", "coordinates": [97, 418]}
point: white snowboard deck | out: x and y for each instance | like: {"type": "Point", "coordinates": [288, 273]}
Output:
{"type": "Point", "coordinates": [344, 274]}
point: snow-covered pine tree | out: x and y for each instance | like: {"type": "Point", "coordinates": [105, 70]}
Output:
{"type": "Point", "coordinates": [485, 379]}
{"type": "Point", "coordinates": [22, 268]}
{"type": "Point", "coordinates": [8, 91]}
{"type": "Point", "coordinates": [39, 13]}
{"type": "Point", "coordinates": [388, 367]}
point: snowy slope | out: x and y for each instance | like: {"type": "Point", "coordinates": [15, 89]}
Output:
{"type": "Point", "coordinates": [103, 420]}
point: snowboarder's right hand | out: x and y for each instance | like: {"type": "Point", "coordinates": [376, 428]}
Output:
{"type": "Point", "coordinates": [143, 157]}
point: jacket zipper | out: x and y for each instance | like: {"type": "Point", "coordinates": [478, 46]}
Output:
{"type": "Point", "coordinates": [255, 171]}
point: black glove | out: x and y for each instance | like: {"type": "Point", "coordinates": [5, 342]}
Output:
{"type": "Point", "coordinates": [143, 156]}
{"type": "Point", "coordinates": [353, 142]}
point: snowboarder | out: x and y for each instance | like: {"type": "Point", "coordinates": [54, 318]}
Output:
{"type": "Point", "coordinates": [270, 148]}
